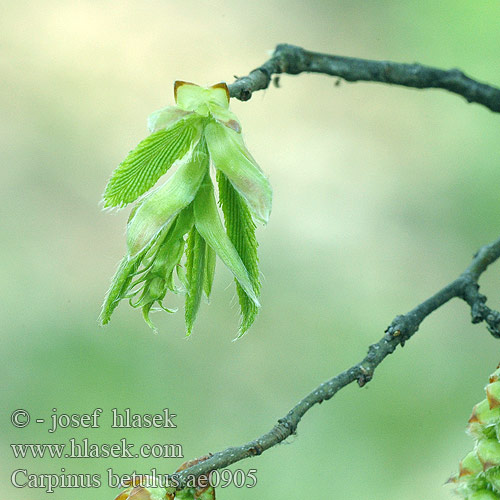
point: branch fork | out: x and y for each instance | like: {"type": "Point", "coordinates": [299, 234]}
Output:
{"type": "Point", "coordinates": [294, 60]}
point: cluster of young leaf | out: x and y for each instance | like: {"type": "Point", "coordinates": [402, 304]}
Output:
{"type": "Point", "coordinates": [139, 492]}
{"type": "Point", "coordinates": [175, 232]}
{"type": "Point", "coordinates": [479, 472]}
{"type": "Point", "coordinates": [142, 487]}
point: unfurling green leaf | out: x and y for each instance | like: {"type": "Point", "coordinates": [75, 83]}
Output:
{"type": "Point", "coordinates": [231, 157]}
{"type": "Point", "coordinates": [479, 471]}
{"type": "Point", "coordinates": [240, 228]}
{"type": "Point", "coordinates": [174, 233]}
{"type": "Point", "coordinates": [158, 275]}
{"type": "Point", "coordinates": [195, 266]}
{"type": "Point", "coordinates": [145, 278]}
{"type": "Point", "coordinates": [158, 208]}
{"type": "Point", "coordinates": [149, 161]}
{"type": "Point", "coordinates": [209, 225]}
{"type": "Point", "coordinates": [210, 257]}
{"type": "Point", "coordinates": [119, 286]}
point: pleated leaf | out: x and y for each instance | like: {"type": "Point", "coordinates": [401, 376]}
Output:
{"type": "Point", "coordinates": [183, 224]}
{"type": "Point", "coordinates": [210, 258]}
{"type": "Point", "coordinates": [175, 242]}
{"type": "Point", "coordinates": [231, 157]}
{"type": "Point", "coordinates": [195, 267]}
{"type": "Point", "coordinates": [200, 129]}
{"type": "Point", "coordinates": [240, 228]}
{"type": "Point", "coordinates": [119, 286]}
{"type": "Point", "coordinates": [209, 225]}
{"type": "Point", "coordinates": [162, 205]}
{"type": "Point", "coordinates": [158, 278]}
{"type": "Point", "coordinates": [144, 165]}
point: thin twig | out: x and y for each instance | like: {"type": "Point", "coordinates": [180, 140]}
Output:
{"type": "Point", "coordinates": [293, 60]}
{"type": "Point", "coordinates": [401, 329]}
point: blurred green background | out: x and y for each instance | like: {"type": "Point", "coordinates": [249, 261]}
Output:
{"type": "Point", "coordinates": [381, 196]}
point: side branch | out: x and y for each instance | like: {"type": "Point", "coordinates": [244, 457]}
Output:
{"type": "Point", "coordinates": [400, 330]}
{"type": "Point", "coordinates": [293, 60]}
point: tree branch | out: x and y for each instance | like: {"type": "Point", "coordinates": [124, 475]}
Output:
{"type": "Point", "coordinates": [293, 60]}
{"type": "Point", "coordinates": [401, 329]}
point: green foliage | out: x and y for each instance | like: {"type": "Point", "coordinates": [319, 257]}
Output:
{"type": "Point", "coordinates": [159, 208]}
{"type": "Point", "coordinates": [229, 155]}
{"type": "Point", "coordinates": [209, 270]}
{"type": "Point", "coordinates": [208, 223]}
{"type": "Point", "coordinates": [149, 161]}
{"type": "Point", "coordinates": [479, 473]}
{"type": "Point", "coordinates": [195, 266]}
{"type": "Point", "coordinates": [240, 228]}
{"type": "Point", "coordinates": [200, 130]}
